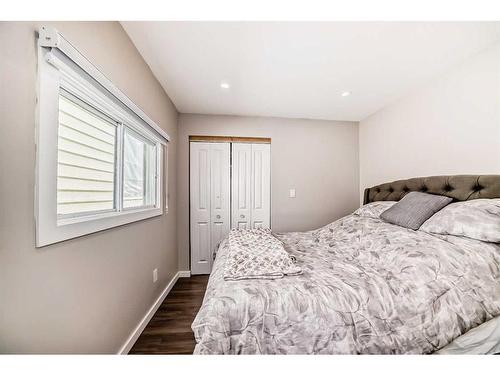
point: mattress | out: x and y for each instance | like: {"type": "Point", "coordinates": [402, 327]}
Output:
{"type": "Point", "coordinates": [367, 287]}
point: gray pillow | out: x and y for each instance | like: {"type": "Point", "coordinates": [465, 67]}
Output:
{"type": "Point", "coordinates": [414, 209]}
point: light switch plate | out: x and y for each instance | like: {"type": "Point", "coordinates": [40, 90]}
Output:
{"type": "Point", "coordinates": [292, 193]}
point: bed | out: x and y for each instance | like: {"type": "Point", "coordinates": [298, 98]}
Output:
{"type": "Point", "coordinates": [367, 287]}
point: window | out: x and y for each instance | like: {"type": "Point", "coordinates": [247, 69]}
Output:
{"type": "Point", "coordinates": [99, 158]}
{"type": "Point", "coordinates": [139, 165]}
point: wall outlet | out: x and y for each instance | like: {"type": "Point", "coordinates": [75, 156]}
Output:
{"type": "Point", "coordinates": [155, 275]}
{"type": "Point", "coordinates": [292, 193]}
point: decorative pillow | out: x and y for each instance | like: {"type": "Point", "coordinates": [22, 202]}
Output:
{"type": "Point", "coordinates": [257, 254]}
{"type": "Point", "coordinates": [478, 219]}
{"type": "Point", "coordinates": [414, 209]}
{"type": "Point", "coordinates": [374, 209]}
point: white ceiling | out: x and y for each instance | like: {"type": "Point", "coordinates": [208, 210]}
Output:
{"type": "Point", "coordinates": [300, 69]}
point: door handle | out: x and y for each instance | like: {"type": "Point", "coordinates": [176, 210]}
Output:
{"type": "Point", "coordinates": [242, 216]}
{"type": "Point", "coordinates": [217, 217]}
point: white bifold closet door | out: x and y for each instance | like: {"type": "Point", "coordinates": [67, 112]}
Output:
{"type": "Point", "coordinates": [209, 201]}
{"type": "Point", "coordinates": [251, 185]}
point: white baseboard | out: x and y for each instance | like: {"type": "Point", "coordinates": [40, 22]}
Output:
{"type": "Point", "coordinates": [145, 320]}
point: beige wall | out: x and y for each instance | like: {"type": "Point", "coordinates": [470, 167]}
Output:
{"type": "Point", "coordinates": [448, 126]}
{"type": "Point", "coordinates": [87, 294]}
{"type": "Point", "coordinates": [317, 158]}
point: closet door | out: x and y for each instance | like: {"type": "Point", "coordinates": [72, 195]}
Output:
{"type": "Point", "coordinates": [220, 185]}
{"type": "Point", "coordinates": [241, 185]}
{"type": "Point", "coordinates": [261, 186]}
{"type": "Point", "coordinates": [200, 218]}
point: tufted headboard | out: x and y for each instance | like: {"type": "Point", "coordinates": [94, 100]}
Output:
{"type": "Point", "coordinates": [459, 187]}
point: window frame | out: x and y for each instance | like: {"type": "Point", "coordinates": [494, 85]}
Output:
{"type": "Point", "coordinates": [56, 72]}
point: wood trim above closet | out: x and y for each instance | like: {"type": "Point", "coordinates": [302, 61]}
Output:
{"type": "Point", "coordinates": [216, 138]}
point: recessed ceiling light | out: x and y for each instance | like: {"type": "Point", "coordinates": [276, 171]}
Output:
{"type": "Point", "coordinates": [224, 85]}
{"type": "Point", "coordinates": [345, 93]}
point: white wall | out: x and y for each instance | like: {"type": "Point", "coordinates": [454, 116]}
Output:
{"type": "Point", "coordinates": [449, 126]}
{"type": "Point", "coordinates": [84, 295]}
{"type": "Point", "coordinates": [317, 158]}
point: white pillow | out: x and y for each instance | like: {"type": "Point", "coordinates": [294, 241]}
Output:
{"type": "Point", "coordinates": [374, 209]}
{"type": "Point", "coordinates": [478, 219]}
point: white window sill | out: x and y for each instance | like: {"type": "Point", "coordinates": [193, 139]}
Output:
{"type": "Point", "coordinates": [69, 228]}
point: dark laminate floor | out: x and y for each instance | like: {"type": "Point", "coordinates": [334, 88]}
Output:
{"type": "Point", "coordinates": [169, 332]}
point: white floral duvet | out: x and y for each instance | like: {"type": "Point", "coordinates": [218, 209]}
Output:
{"type": "Point", "coordinates": [366, 287]}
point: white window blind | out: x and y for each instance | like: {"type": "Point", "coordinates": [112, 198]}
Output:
{"type": "Point", "coordinates": [86, 158]}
